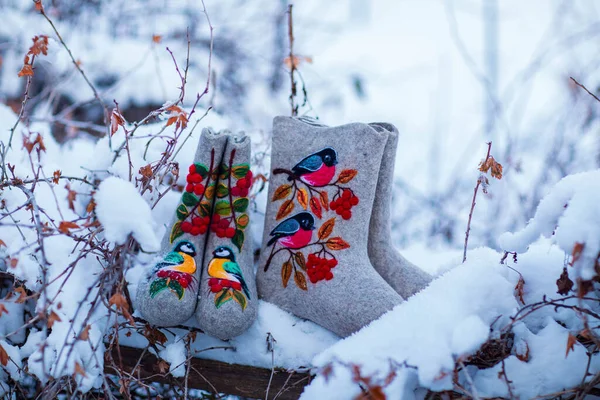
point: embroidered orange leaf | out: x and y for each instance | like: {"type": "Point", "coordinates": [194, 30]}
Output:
{"type": "Point", "coordinates": [52, 318]}
{"type": "Point", "coordinates": [324, 199]}
{"type": "Point", "coordinates": [300, 280]}
{"type": "Point", "coordinates": [300, 261]}
{"type": "Point", "coordinates": [315, 207]}
{"type": "Point", "coordinates": [347, 175]}
{"type": "Point", "coordinates": [64, 226]}
{"type": "Point", "coordinates": [282, 192]}
{"type": "Point", "coordinates": [3, 357]}
{"type": "Point", "coordinates": [571, 340]}
{"type": "Point", "coordinates": [116, 120]}
{"type": "Point", "coordinates": [286, 272]}
{"type": "Point", "coordinates": [286, 208]}
{"type": "Point", "coordinates": [326, 229]}
{"type": "Point", "coordinates": [337, 243]}
{"type": "Point", "coordinates": [303, 198]}
{"type": "Point", "coordinates": [25, 71]}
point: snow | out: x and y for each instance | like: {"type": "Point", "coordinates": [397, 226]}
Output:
{"type": "Point", "coordinates": [122, 211]}
{"type": "Point", "coordinates": [174, 353]}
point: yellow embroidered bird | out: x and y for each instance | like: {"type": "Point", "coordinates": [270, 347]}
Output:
{"type": "Point", "coordinates": [225, 272]}
{"type": "Point", "coordinates": [176, 270]}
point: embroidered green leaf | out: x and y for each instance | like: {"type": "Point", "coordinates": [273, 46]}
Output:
{"type": "Point", "coordinates": [209, 192]}
{"type": "Point", "coordinates": [242, 221]}
{"type": "Point", "coordinates": [223, 171]}
{"type": "Point", "coordinates": [201, 169]}
{"type": "Point", "coordinates": [222, 207]}
{"type": "Point", "coordinates": [240, 170]}
{"type": "Point", "coordinates": [204, 208]}
{"type": "Point", "coordinates": [238, 239]}
{"type": "Point", "coordinates": [240, 298]}
{"type": "Point", "coordinates": [182, 212]}
{"type": "Point", "coordinates": [176, 288]}
{"type": "Point", "coordinates": [241, 204]}
{"type": "Point", "coordinates": [222, 190]}
{"type": "Point", "coordinates": [157, 286]}
{"type": "Point", "coordinates": [175, 231]}
{"type": "Point", "coordinates": [189, 199]}
{"type": "Point", "coordinates": [222, 297]}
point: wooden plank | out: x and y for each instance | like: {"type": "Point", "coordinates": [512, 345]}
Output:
{"type": "Point", "coordinates": [235, 379]}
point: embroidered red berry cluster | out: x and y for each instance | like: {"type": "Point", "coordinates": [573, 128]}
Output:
{"type": "Point", "coordinates": [343, 204]}
{"type": "Point", "coordinates": [194, 181]}
{"type": "Point", "coordinates": [197, 226]}
{"type": "Point", "coordinates": [319, 268]}
{"type": "Point", "coordinates": [242, 186]}
{"type": "Point", "coordinates": [216, 285]}
{"type": "Point", "coordinates": [221, 227]}
{"type": "Point", "coordinates": [181, 277]}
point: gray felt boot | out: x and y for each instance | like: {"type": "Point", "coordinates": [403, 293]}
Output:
{"type": "Point", "coordinates": [314, 261]}
{"type": "Point", "coordinates": [167, 295]}
{"type": "Point", "coordinates": [227, 301]}
{"type": "Point", "coordinates": [406, 278]}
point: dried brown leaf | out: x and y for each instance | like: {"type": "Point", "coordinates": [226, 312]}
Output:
{"type": "Point", "coordinates": [571, 340]}
{"type": "Point", "coordinates": [52, 318]}
{"type": "Point", "coordinates": [3, 309]}
{"type": "Point", "coordinates": [3, 357]}
{"type": "Point", "coordinates": [65, 226]}
{"type": "Point", "coordinates": [564, 283]}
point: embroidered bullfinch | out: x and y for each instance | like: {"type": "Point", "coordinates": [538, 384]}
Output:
{"type": "Point", "coordinates": [317, 169]}
{"type": "Point", "coordinates": [178, 265]}
{"type": "Point", "coordinates": [225, 272]}
{"type": "Point", "coordinates": [295, 232]}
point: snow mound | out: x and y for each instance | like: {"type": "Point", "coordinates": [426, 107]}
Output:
{"type": "Point", "coordinates": [122, 211]}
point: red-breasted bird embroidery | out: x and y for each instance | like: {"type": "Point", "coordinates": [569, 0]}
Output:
{"type": "Point", "coordinates": [317, 169]}
{"type": "Point", "coordinates": [295, 232]}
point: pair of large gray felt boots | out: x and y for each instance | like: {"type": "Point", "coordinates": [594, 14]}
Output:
{"type": "Point", "coordinates": [326, 254]}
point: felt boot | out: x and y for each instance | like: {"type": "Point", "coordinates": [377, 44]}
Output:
{"type": "Point", "coordinates": [406, 278]}
{"type": "Point", "coordinates": [168, 294]}
{"type": "Point", "coordinates": [227, 302]}
{"type": "Point", "coordinates": [314, 261]}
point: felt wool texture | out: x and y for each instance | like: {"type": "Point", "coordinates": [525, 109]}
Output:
{"type": "Point", "coordinates": [405, 277]}
{"type": "Point", "coordinates": [227, 302]}
{"type": "Point", "coordinates": [168, 294]}
{"type": "Point", "coordinates": [314, 261]}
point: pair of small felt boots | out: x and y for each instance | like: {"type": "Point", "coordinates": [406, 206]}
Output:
{"type": "Point", "coordinates": [207, 268]}
{"type": "Point", "coordinates": [327, 254]}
